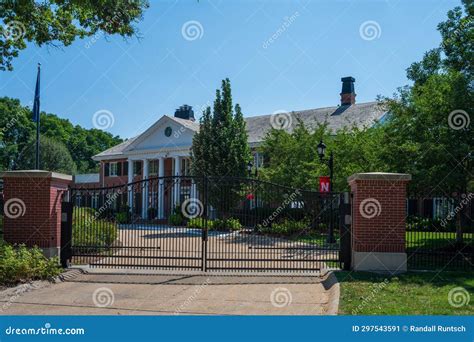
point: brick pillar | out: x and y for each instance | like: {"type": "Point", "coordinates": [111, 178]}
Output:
{"type": "Point", "coordinates": [32, 208]}
{"type": "Point", "coordinates": [378, 221]}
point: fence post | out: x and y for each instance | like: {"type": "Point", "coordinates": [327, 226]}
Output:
{"type": "Point", "coordinates": [378, 221]}
{"type": "Point", "coordinates": [66, 233]}
{"type": "Point", "coordinates": [345, 231]}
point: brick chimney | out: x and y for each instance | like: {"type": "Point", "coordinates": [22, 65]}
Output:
{"type": "Point", "coordinates": [185, 112]}
{"type": "Point", "coordinates": [348, 95]}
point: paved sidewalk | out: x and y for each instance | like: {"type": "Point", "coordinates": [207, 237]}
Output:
{"type": "Point", "coordinates": [115, 292]}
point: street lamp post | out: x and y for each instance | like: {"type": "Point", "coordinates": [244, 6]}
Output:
{"type": "Point", "coordinates": [330, 163]}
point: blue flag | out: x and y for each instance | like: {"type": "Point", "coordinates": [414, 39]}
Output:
{"type": "Point", "coordinates": [36, 103]}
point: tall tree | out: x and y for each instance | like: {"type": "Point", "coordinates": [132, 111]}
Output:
{"type": "Point", "coordinates": [17, 129]}
{"type": "Point", "coordinates": [60, 22]}
{"type": "Point", "coordinates": [429, 133]}
{"type": "Point", "coordinates": [220, 149]}
{"type": "Point", "coordinates": [54, 156]}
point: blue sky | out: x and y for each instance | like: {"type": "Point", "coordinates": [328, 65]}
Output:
{"type": "Point", "coordinates": [314, 44]}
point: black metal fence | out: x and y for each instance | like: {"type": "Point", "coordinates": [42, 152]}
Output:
{"type": "Point", "coordinates": [440, 232]}
{"type": "Point", "coordinates": [216, 223]}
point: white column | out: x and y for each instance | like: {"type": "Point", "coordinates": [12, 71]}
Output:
{"type": "Point", "coordinates": [193, 189]}
{"type": "Point", "coordinates": [130, 180]}
{"type": "Point", "coordinates": [177, 188]}
{"type": "Point", "coordinates": [145, 188]}
{"type": "Point", "coordinates": [161, 194]}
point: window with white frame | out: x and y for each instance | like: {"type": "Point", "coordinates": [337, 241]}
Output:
{"type": "Point", "coordinates": [185, 193]}
{"type": "Point", "coordinates": [95, 201]}
{"type": "Point", "coordinates": [153, 167]}
{"type": "Point", "coordinates": [113, 169]}
{"type": "Point", "coordinates": [137, 168]}
{"type": "Point", "coordinates": [258, 160]}
{"type": "Point", "coordinates": [185, 167]}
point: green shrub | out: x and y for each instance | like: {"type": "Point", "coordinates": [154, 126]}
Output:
{"type": "Point", "coordinates": [21, 264]}
{"type": "Point", "coordinates": [89, 231]}
{"type": "Point", "coordinates": [226, 224]}
{"type": "Point", "coordinates": [122, 217]}
{"type": "Point", "coordinates": [233, 224]}
{"type": "Point", "coordinates": [217, 224]}
{"type": "Point", "coordinates": [284, 228]}
{"type": "Point", "coordinates": [199, 223]}
{"type": "Point", "coordinates": [87, 211]}
{"type": "Point", "coordinates": [175, 219]}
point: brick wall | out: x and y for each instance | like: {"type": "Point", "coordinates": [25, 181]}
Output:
{"type": "Point", "coordinates": [32, 210]}
{"type": "Point", "coordinates": [379, 212]}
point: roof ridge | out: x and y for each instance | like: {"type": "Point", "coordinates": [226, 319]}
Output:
{"type": "Point", "coordinates": [306, 110]}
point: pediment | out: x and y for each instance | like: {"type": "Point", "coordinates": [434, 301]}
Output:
{"type": "Point", "coordinates": [165, 133]}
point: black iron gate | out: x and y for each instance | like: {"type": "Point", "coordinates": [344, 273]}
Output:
{"type": "Point", "coordinates": [215, 223]}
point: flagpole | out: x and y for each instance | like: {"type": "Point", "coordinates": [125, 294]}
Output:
{"type": "Point", "coordinates": [38, 145]}
{"type": "Point", "coordinates": [37, 103]}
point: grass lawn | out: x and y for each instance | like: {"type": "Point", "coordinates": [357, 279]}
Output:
{"type": "Point", "coordinates": [315, 239]}
{"type": "Point", "coordinates": [434, 240]}
{"type": "Point", "coordinates": [413, 293]}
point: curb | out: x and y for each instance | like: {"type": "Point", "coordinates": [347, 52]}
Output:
{"type": "Point", "coordinates": [332, 287]}
{"type": "Point", "coordinates": [69, 274]}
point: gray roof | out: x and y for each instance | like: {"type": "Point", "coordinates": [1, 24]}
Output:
{"type": "Point", "coordinates": [337, 117]}
{"type": "Point", "coordinates": [115, 150]}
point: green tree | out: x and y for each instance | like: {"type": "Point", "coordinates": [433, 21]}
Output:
{"type": "Point", "coordinates": [54, 156]}
{"type": "Point", "coordinates": [429, 133]}
{"type": "Point", "coordinates": [17, 130]}
{"type": "Point", "coordinates": [60, 22]}
{"type": "Point", "coordinates": [293, 159]}
{"type": "Point", "coordinates": [456, 51]}
{"type": "Point", "coordinates": [220, 148]}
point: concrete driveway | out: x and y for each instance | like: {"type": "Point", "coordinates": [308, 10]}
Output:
{"type": "Point", "coordinates": [117, 292]}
